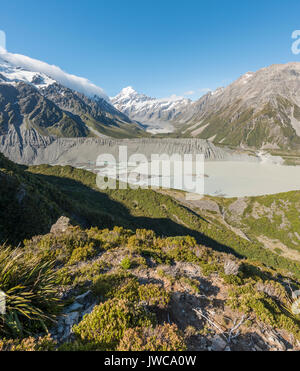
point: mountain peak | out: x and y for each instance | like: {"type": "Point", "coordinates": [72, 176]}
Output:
{"type": "Point", "coordinates": [128, 91]}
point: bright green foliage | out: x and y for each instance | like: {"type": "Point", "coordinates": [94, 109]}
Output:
{"type": "Point", "coordinates": [104, 284]}
{"type": "Point", "coordinates": [126, 287]}
{"type": "Point", "coordinates": [110, 239]}
{"type": "Point", "coordinates": [126, 263]}
{"type": "Point", "coordinates": [106, 325]}
{"type": "Point", "coordinates": [78, 260]}
{"type": "Point", "coordinates": [138, 209]}
{"type": "Point", "coordinates": [71, 247]}
{"type": "Point", "coordinates": [82, 254]}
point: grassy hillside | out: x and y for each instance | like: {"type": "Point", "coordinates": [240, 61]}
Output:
{"type": "Point", "coordinates": [146, 294]}
{"type": "Point", "coordinates": [274, 219]}
{"type": "Point", "coordinates": [162, 269]}
{"type": "Point", "coordinates": [29, 205]}
{"type": "Point", "coordinates": [33, 199]}
{"type": "Point", "coordinates": [159, 212]}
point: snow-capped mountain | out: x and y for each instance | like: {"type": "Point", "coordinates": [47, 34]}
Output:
{"type": "Point", "coordinates": [158, 115]}
{"type": "Point", "coordinates": [55, 103]}
{"type": "Point", "coordinates": [73, 82]}
{"type": "Point", "coordinates": [13, 75]}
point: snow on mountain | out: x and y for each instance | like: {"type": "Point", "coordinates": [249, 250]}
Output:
{"type": "Point", "coordinates": [16, 68]}
{"type": "Point", "coordinates": [156, 114]}
{"type": "Point", "coordinates": [43, 99]}
{"type": "Point", "coordinates": [10, 74]}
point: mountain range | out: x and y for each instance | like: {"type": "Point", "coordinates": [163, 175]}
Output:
{"type": "Point", "coordinates": [259, 110]}
{"type": "Point", "coordinates": [158, 115]}
{"type": "Point", "coordinates": [31, 100]}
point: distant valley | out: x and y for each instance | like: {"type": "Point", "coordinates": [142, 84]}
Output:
{"type": "Point", "coordinates": [259, 110]}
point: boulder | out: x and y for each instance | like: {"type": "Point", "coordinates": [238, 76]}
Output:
{"type": "Point", "coordinates": [61, 225]}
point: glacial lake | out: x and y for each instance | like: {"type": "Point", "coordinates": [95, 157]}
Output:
{"type": "Point", "coordinates": [240, 179]}
{"type": "Point", "coordinates": [222, 178]}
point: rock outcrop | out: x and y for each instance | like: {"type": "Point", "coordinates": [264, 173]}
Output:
{"type": "Point", "coordinates": [61, 225]}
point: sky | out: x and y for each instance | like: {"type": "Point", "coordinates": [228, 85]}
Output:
{"type": "Point", "coordinates": [159, 47]}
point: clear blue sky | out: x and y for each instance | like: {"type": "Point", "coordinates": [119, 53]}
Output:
{"type": "Point", "coordinates": [160, 47]}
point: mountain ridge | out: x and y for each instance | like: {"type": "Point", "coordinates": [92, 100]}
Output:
{"type": "Point", "coordinates": [259, 110]}
{"type": "Point", "coordinates": [36, 101]}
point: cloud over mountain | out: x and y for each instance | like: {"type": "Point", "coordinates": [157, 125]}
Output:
{"type": "Point", "coordinates": [79, 84]}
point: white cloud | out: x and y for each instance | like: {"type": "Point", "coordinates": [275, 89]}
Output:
{"type": "Point", "coordinates": [197, 93]}
{"type": "Point", "coordinates": [172, 98]}
{"type": "Point", "coordinates": [79, 84]}
{"type": "Point", "coordinates": [2, 40]}
{"type": "Point", "coordinates": [190, 92]}
{"type": "Point", "coordinates": [205, 90]}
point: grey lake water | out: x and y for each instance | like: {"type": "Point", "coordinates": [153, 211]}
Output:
{"type": "Point", "coordinates": [221, 178]}
{"type": "Point", "coordinates": [239, 179]}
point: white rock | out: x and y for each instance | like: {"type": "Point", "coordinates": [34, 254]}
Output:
{"type": "Point", "coordinates": [81, 298]}
{"type": "Point", "coordinates": [74, 307]}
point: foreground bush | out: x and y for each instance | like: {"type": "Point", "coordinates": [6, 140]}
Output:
{"type": "Point", "coordinates": [161, 338]}
{"type": "Point", "coordinates": [31, 293]}
{"type": "Point", "coordinates": [28, 345]}
{"type": "Point", "coordinates": [106, 325]}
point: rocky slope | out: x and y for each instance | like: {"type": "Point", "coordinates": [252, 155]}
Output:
{"type": "Point", "coordinates": [158, 115]}
{"type": "Point", "coordinates": [260, 110]}
{"type": "Point", "coordinates": [30, 147]}
{"type": "Point", "coordinates": [195, 307]}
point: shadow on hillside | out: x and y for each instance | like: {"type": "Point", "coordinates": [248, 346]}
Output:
{"type": "Point", "coordinates": [97, 205]}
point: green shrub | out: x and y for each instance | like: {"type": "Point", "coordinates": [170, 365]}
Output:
{"type": "Point", "coordinates": [29, 344]}
{"type": "Point", "coordinates": [110, 239]}
{"type": "Point", "coordinates": [161, 338]}
{"type": "Point", "coordinates": [82, 254]}
{"type": "Point", "coordinates": [106, 284]}
{"type": "Point", "coordinates": [270, 311]}
{"type": "Point", "coordinates": [126, 263]}
{"type": "Point", "coordinates": [154, 295]}
{"type": "Point", "coordinates": [232, 279]}
{"type": "Point", "coordinates": [126, 287]}
{"type": "Point", "coordinates": [106, 325]}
